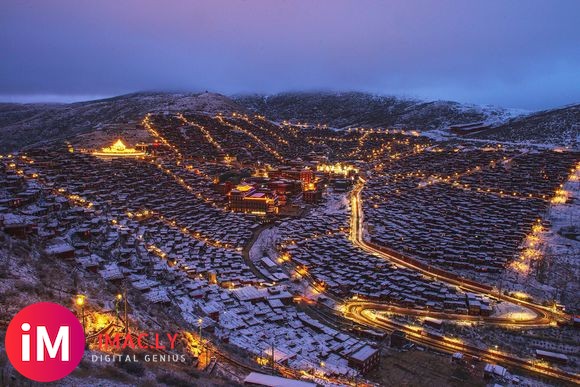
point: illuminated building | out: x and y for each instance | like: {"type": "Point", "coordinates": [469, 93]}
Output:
{"type": "Point", "coordinates": [145, 148]}
{"type": "Point", "coordinates": [118, 149]}
{"type": "Point", "coordinates": [345, 170]}
{"type": "Point", "coordinates": [247, 198]}
{"type": "Point", "coordinates": [311, 192]}
{"type": "Point", "coordinates": [261, 172]}
{"type": "Point", "coordinates": [553, 357]}
{"type": "Point", "coordinates": [228, 159]}
{"type": "Point", "coordinates": [307, 176]}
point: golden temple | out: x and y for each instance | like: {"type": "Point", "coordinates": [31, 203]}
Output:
{"type": "Point", "coordinates": [118, 149]}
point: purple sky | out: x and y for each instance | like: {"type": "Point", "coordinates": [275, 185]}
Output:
{"type": "Point", "coordinates": [523, 54]}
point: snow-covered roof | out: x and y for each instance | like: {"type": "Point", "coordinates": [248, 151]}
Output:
{"type": "Point", "coordinates": [364, 353]}
{"type": "Point", "coordinates": [59, 248]}
{"type": "Point", "coordinates": [248, 293]}
{"type": "Point", "coordinates": [111, 272]}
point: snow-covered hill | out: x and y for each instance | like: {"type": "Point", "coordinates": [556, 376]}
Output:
{"type": "Point", "coordinates": [24, 124]}
{"type": "Point", "coordinates": [341, 110]}
{"type": "Point", "coordinates": [553, 127]}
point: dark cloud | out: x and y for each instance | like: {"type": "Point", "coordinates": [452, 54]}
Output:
{"type": "Point", "coordinates": [510, 53]}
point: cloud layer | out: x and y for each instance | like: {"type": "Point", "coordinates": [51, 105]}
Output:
{"type": "Point", "coordinates": [510, 53]}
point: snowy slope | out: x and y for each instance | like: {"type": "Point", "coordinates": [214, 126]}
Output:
{"type": "Point", "coordinates": [24, 124]}
{"type": "Point", "coordinates": [342, 110]}
{"type": "Point", "coordinates": [557, 127]}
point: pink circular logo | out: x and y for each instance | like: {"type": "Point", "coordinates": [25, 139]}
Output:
{"type": "Point", "coordinates": [45, 342]}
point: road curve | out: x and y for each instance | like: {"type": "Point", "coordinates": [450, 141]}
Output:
{"type": "Point", "coordinates": [363, 311]}
{"type": "Point", "coordinates": [544, 316]}
{"type": "Point", "coordinates": [363, 316]}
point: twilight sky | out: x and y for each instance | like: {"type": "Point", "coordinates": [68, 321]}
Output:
{"type": "Point", "coordinates": [523, 54]}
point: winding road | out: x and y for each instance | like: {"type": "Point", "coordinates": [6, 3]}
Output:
{"type": "Point", "coordinates": [370, 314]}
{"type": "Point", "coordinates": [360, 313]}
{"type": "Point", "coordinates": [543, 316]}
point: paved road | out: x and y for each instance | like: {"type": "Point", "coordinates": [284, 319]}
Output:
{"type": "Point", "coordinates": [543, 316]}
{"type": "Point", "coordinates": [365, 312]}
{"type": "Point", "coordinates": [362, 315]}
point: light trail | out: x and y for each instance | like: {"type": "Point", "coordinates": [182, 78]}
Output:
{"type": "Point", "coordinates": [363, 312]}
{"type": "Point", "coordinates": [544, 315]}
{"type": "Point", "coordinates": [359, 313]}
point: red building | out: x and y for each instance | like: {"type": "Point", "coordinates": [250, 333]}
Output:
{"type": "Point", "coordinates": [249, 199]}
{"type": "Point", "coordinates": [307, 176]}
{"type": "Point", "coordinates": [365, 358]}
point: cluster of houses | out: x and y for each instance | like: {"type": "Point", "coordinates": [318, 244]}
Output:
{"type": "Point", "coordinates": [173, 218]}
{"type": "Point", "coordinates": [215, 138]}
{"type": "Point", "coordinates": [285, 170]}
{"type": "Point", "coordinates": [465, 210]}
{"type": "Point", "coordinates": [248, 140]}
{"type": "Point", "coordinates": [319, 247]}
{"type": "Point", "coordinates": [264, 322]}
{"type": "Point", "coordinates": [134, 225]}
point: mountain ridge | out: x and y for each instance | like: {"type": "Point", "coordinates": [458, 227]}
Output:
{"type": "Point", "coordinates": [23, 124]}
{"type": "Point", "coordinates": [347, 109]}
{"type": "Point", "coordinates": [26, 124]}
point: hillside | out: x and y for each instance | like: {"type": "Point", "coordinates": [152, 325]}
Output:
{"type": "Point", "coordinates": [340, 110]}
{"type": "Point", "coordinates": [24, 124]}
{"type": "Point", "coordinates": [558, 126]}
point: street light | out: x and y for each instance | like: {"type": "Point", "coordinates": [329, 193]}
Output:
{"type": "Point", "coordinates": [200, 322]}
{"type": "Point", "coordinates": [80, 301]}
{"type": "Point", "coordinates": [201, 346]}
{"type": "Point", "coordinates": [119, 297]}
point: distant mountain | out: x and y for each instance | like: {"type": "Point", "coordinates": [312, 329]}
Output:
{"type": "Point", "coordinates": [554, 127]}
{"type": "Point", "coordinates": [24, 124]}
{"type": "Point", "coordinates": [341, 110]}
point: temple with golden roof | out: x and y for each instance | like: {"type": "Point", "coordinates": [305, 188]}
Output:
{"type": "Point", "coordinates": [118, 149]}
